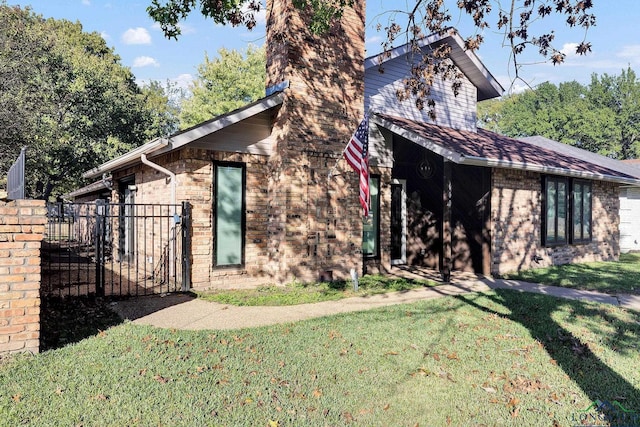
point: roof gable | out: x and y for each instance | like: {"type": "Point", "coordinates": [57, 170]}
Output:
{"type": "Point", "coordinates": [179, 139]}
{"type": "Point", "coordinates": [468, 62]}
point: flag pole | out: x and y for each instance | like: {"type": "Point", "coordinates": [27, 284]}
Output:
{"type": "Point", "coordinates": [335, 167]}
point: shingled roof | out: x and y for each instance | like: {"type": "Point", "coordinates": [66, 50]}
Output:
{"type": "Point", "coordinates": [486, 148]}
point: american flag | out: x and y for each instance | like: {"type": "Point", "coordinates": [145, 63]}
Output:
{"type": "Point", "coordinates": [357, 155]}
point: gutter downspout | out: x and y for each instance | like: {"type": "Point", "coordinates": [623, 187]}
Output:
{"type": "Point", "coordinates": [171, 175]}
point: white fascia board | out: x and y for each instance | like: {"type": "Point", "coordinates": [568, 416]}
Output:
{"type": "Point", "coordinates": [177, 140]}
{"type": "Point", "coordinates": [377, 60]}
{"type": "Point", "coordinates": [417, 139]}
{"type": "Point", "coordinates": [508, 164]}
{"type": "Point", "coordinates": [226, 120]}
{"type": "Point", "coordinates": [457, 43]}
{"type": "Point", "coordinates": [132, 155]}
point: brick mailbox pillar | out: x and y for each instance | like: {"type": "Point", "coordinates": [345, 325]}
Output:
{"type": "Point", "coordinates": [22, 228]}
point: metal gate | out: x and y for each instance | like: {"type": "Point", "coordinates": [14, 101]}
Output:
{"type": "Point", "coordinates": [106, 249]}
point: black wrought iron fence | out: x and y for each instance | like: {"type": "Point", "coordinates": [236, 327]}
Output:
{"type": "Point", "coordinates": [116, 249]}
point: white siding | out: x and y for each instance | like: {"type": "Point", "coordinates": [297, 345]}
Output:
{"type": "Point", "coordinates": [458, 112]}
{"type": "Point", "coordinates": [629, 219]}
{"type": "Point", "coordinates": [380, 147]}
{"type": "Point", "coordinates": [251, 135]}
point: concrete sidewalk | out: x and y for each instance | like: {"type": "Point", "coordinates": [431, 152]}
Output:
{"type": "Point", "coordinates": [186, 312]}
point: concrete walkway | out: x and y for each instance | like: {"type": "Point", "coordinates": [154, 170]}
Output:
{"type": "Point", "coordinates": [186, 312]}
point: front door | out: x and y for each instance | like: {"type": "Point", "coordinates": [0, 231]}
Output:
{"type": "Point", "coordinates": [398, 222]}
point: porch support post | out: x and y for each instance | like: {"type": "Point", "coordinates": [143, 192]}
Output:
{"type": "Point", "coordinates": [446, 221]}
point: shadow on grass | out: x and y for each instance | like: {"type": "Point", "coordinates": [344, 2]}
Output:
{"type": "Point", "coordinates": [597, 380]}
{"type": "Point", "coordinates": [70, 319]}
{"type": "Point", "coordinates": [67, 320]}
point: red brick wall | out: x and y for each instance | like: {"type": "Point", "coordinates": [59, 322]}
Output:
{"type": "Point", "coordinates": [22, 227]}
{"type": "Point", "coordinates": [516, 220]}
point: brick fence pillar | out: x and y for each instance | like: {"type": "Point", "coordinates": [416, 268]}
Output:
{"type": "Point", "coordinates": [22, 227]}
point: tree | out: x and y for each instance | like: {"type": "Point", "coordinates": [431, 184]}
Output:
{"type": "Point", "coordinates": [64, 95]}
{"type": "Point", "coordinates": [512, 18]}
{"type": "Point", "coordinates": [163, 104]}
{"type": "Point", "coordinates": [602, 117]}
{"type": "Point", "coordinates": [225, 83]}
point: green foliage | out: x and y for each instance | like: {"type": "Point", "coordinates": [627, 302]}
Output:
{"type": "Point", "coordinates": [602, 117]}
{"type": "Point", "coordinates": [302, 293]}
{"type": "Point", "coordinates": [516, 20]}
{"type": "Point", "coordinates": [163, 105]}
{"type": "Point", "coordinates": [225, 83]}
{"type": "Point", "coordinates": [609, 277]}
{"type": "Point", "coordinates": [66, 97]}
{"type": "Point", "coordinates": [497, 358]}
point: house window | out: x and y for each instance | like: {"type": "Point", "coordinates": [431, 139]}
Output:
{"type": "Point", "coordinates": [229, 214]}
{"type": "Point", "coordinates": [555, 205]}
{"type": "Point", "coordinates": [581, 211]}
{"type": "Point", "coordinates": [566, 202]}
{"type": "Point", "coordinates": [371, 226]}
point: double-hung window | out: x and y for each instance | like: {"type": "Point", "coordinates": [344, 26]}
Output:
{"type": "Point", "coordinates": [555, 216]}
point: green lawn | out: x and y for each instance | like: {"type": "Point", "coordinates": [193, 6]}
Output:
{"type": "Point", "coordinates": [498, 358]}
{"type": "Point", "coordinates": [305, 293]}
{"type": "Point", "coordinates": [609, 277]}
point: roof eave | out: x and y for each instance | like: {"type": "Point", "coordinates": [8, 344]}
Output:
{"type": "Point", "coordinates": [532, 167]}
{"type": "Point", "coordinates": [179, 139]}
{"type": "Point", "coordinates": [126, 158]}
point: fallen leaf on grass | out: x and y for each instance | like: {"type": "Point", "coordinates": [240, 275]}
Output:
{"type": "Point", "coordinates": [391, 353]}
{"type": "Point", "coordinates": [161, 379]}
{"type": "Point", "coordinates": [453, 356]}
{"type": "Point", "coordinates": [317, 393]}
{"type": "Point", "coordinates": [515, 412]}
{"type": "Point", "coordinates": [489, 389]}
{"type": "Point", "coordinates": [348, 417]}
{"type": "Point", "coordinates": [424, 371]}
{"type": "Point", "coordinates": [16, 397]}
{"type": "Point", "coordinates": [386, 407]}
{"type": "Point", "coordinates": [273, 423]}
{"type": "Point", "coordinates": [513, 401]}
{"type": "Point", "coordinates": [436, 356]}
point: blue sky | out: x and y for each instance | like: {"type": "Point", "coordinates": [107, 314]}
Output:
{"type": "Point", "coordinates": [140, 43]}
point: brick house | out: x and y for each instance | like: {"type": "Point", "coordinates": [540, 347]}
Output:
{"type": "Point", "coordinates": [445, 195]}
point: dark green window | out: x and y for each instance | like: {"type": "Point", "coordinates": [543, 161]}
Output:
{"type": "Point", "coordinates": [555, 207]}
{"type": "Point", "coordinates": [371, 226]}
{"type": "Point", "coordinates": [229, 214]}
{"type": "Point", "coordinates": [581, 211]}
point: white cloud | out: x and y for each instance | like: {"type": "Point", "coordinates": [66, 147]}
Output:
{"type": "Point", "coordinates": [261, 17]}
{"type": "Point", "coordinates": [105, 35]}
{"type": "Point", "coordinates": [630, 53]}
{"type": "Point", "coordinates": [569, 49]}
{"type": "Point", "coordinates": [86, 2]}
{"type": "Point", "coordinates": [184, 28]}
{"type": "Point", "coordinates": [145, 61]}
{"type": "Point", "coordinates": [183, 81]}
{"type": "Point", "coordinates": [136, 36]}
{"type": "Point", "coordinates": [373, 40]}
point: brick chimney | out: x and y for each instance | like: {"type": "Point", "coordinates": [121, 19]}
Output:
{"type": "Point", "coordinates": [315, 225]}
